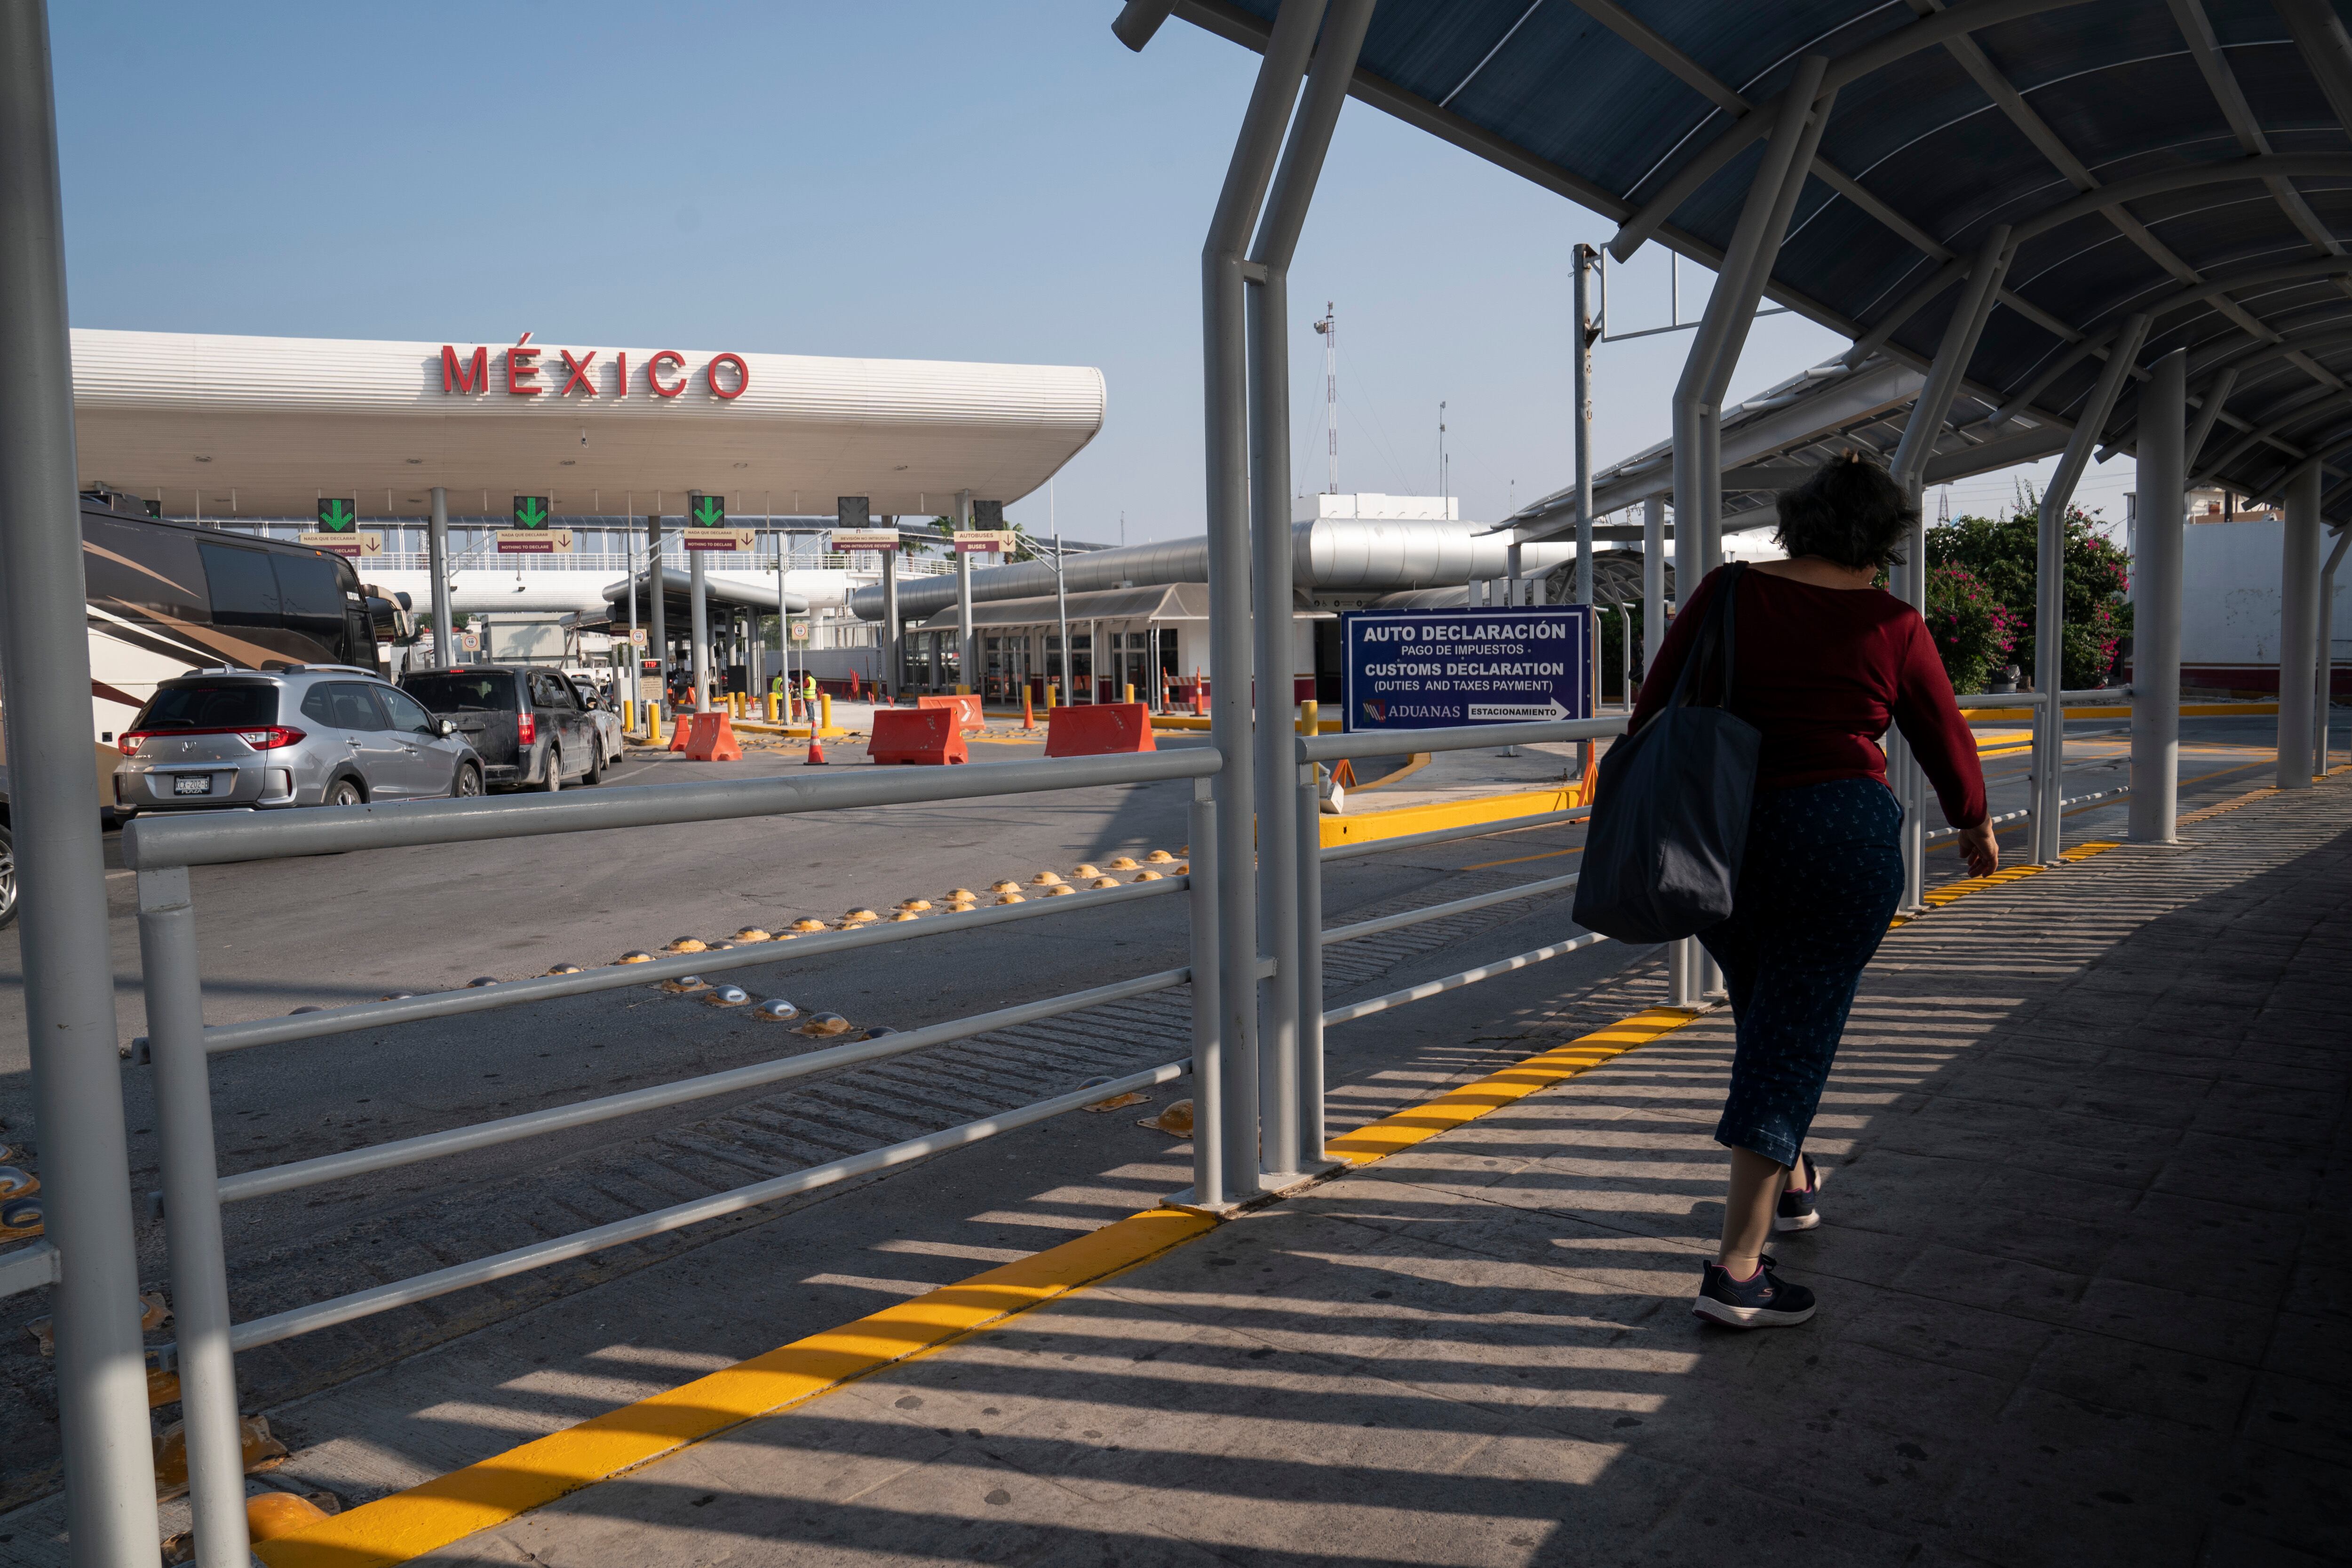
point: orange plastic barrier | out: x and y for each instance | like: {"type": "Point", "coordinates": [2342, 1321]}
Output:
{"type": "Point", "coordinates": [917, 735]}
{"type": "Point", "coordinates": [679, 725]}
{"type": "Point", "coordinates": [1098, 729]}
{"type": "Point", "coordinates": [967, 707]}
{"type": "Point", "coordinates": [711, 739]}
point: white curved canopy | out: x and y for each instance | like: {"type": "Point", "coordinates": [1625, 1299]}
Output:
{"type": "Point", "coordinates": [264, 426]}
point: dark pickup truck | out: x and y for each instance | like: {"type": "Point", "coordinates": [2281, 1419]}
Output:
{"type": "Point", "coordinates": [532, 727]}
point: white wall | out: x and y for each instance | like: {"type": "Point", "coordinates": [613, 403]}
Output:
{"type": "Point", "coordinates": [2230, 595]}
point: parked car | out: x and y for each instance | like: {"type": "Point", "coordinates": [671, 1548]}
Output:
{"type": "Point", "coordinates": [299, 735]}
{"type": "Point", "coordinates": [532, 728]}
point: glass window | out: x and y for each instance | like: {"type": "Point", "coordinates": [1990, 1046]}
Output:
{"type": "Point", "coordinates": [458, 692]}
{"type": "Point", "coordinates": [408, 714]}
{"type": "Point", "coordinates": [343, 705]}
{"type": "Point", "coordinates": [210, 705]}
{"type": "Point", "coordinates": [310, 596]}
{"type": "Point", "coordinates": [551, 691]}
{"type": "Point", "coordinates": [244, 590]}
{"type": "Point", "coordinates": [130, 563]}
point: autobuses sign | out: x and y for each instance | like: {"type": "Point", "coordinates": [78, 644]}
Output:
{"type": "Point", "coordinates": [1424, 669]}
{"type": "Point", "coordinates": [524, 371]}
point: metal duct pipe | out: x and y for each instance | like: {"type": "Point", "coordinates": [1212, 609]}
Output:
{"type": "Point", "coordinates": [1334, 554]}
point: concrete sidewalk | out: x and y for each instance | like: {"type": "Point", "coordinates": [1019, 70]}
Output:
{"type": "Point", "coordinates": [2082, 1300]}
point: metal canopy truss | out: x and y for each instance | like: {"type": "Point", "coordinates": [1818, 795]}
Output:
{"type": "Point", "coordinates": [2187, 160]}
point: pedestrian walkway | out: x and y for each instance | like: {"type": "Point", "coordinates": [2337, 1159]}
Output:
{"type": "Point", "coordinates": [2082, 1298]}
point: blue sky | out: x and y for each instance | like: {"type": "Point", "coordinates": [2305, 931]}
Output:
{"type": "Point", "coordinates": [973, 180]}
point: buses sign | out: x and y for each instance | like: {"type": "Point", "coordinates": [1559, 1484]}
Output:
{"type": "Point", "coordinates": [1426, 670]}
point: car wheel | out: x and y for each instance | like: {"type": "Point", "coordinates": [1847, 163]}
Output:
{"type": "Point", "coordinates": [469, 783]}
{"type": "Point", "coordinates": [344, 791]}
{"type": "Point", "coordinates": [7, 877]}
{"type": "Point", "coordinates": [596, 760]}
{"type": "Point", "coordinates": [554, 780]}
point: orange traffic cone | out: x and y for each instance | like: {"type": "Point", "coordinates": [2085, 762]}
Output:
{"type": "Point", "coordinates": [816, 749]}
{"type": "Point", "coordinates": [1028, 713]}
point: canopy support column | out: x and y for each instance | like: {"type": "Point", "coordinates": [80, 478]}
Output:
{"type": "Point", "coordinates": [2299, 625]}
{"type": "Point", "coordinates": [2155, 600]}
{"type": "Point", "coordinates": [967, 640]}
{"type": "Point", "coordinates": [1653, 578]}
{"type": "Point", "coordinates": [2324, 687]}
{"type": "Point", "coordinates": [657, 611]}
{"type": "Point", "coordinates": [436, 563]}
{"type": "Point", "coordinates": [1928, 414]}
{"type": "Point", "coordinates": [1286, 1123]}
{"type": "Point", "coordinates": [698, 602]}
{"type": "Point", "coordinates": [68, 983]}
{"type": "Point", "coordinates": [1225, 385]}
{"type": "Point", "coordinates": [1723, 331]}
{"type": "Point", "coordinates": [2050, 587]}
{"type": "Point", "coordinates": [1583, 258]}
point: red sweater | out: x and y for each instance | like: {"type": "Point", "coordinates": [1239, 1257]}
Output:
{"type": "Point", "coordinates": [1822, 672]}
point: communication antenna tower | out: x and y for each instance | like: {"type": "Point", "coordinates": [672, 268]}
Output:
{"type": "Point", "coordinates": [1330, 327]}
{"type": "Point", "coordinates": [1944, 507]}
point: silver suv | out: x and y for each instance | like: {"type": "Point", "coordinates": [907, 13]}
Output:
{"type": "Point", "coordinates": [304, 736]}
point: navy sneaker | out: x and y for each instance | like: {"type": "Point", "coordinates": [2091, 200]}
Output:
{"type": "Point", "coordinates": [1763, 1301]}
{"type": "Point", "coordinates": [1796, 1212]}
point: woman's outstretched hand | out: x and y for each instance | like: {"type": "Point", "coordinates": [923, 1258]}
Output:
{"type": "Point", "coordinates": [1981, 849]}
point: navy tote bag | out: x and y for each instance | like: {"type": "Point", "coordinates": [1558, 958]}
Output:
{"type": "Point", "coordinates": [1670, 816]}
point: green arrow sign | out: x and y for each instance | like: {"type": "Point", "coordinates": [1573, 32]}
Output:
{"type": "Point", "coordinates": [339, 515]}
{"type": "Point", "coordinates": [531, 512]}
{"type": "Point", "coordinates": [709, 512]}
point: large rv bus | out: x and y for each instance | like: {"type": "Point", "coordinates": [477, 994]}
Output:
{"type": "Point", "coordinates": [165, 598]}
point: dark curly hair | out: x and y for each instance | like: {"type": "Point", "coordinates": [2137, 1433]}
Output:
{"type": "Point", "coordinates": [1851, 511]}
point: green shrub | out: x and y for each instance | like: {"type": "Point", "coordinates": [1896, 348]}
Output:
{"type": "Point", "coordinates": [1999, 554]}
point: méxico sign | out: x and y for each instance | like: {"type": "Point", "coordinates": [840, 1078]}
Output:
{"type": "Point", "coordinates": [1425, 669]}
{"type": "Point", "coordinates": [523, 372]}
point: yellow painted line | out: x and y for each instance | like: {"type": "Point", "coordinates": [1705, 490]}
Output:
{"type": "Point", "coordinates": [1187, 722]}
{"type": "Point", "coordinates": [1422, 1122]}
{"type": "Point", "coordinates": [1412, 765]}
{"type": "Point", "coordinates": [426, 1518]}
{"type": "Point", "coordinates": [1403, 821]}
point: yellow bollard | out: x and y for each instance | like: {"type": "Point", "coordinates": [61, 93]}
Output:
{"type": "Point", "coordinates": [1129, 690]}
{"type": "Point", "coordinates": [1308, 724]}
{"type": "Point", "coordinates": [775, 707]}
{"type": "Point", "coordinates": [653, 724]}
{"type": "Point", "coordinates": [1053, 696]}
{"type": "Point", "coordinates": [825, 704]}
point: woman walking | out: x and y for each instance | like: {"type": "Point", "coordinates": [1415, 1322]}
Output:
{"type": "Point", "coordinates": [1823, 662]}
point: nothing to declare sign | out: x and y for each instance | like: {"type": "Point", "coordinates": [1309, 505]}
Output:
{"type": "Point", "coordinates": [1428, 670]}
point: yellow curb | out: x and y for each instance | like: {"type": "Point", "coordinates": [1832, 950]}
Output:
{"type": "Point", "coordinates": [1400, 822]}
{"type": "Point", "coordinates": [426, 1518]}
{"type": "Point", "coordinates": [1419, 1123]}
{"type": "Point", "coordinates": [1412, 765]}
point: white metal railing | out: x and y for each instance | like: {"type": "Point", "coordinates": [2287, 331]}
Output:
{"type": "Point", "coordinates": [179, 1046]}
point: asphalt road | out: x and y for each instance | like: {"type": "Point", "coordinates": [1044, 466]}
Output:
{"type": "Point", "coordinates": [333, 929]}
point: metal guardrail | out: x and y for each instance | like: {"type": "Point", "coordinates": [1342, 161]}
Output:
{"type": "Point", "coordinates": [1310, 750]}
{"type": "Point", "coordinates": [2036, 699]}
{"type": "Point", "coordinates": [179, 1046]}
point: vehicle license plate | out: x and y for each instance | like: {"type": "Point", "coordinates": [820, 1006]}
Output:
{"type": "Point", "coordinates": [193, 784]}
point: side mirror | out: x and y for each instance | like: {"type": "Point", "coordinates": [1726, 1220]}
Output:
{"type": "Point", "coordinates": [445, 727]}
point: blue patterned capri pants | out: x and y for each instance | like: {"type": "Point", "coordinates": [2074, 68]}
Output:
{"type": "Point", "coordinates": [1822, 877]}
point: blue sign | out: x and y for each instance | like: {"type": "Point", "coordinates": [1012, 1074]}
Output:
{"type": "Point", "coordinates": [1428, 670]}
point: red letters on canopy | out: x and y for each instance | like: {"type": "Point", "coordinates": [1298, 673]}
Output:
{"type": "Point", "coordinates": [464, 376]}
{"type": "Point", "coordinates": [576, 373]}
{"type": "Point", "coordinates": [653, 374]}
{"type": "Point", "coordinates": [727, 376]}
